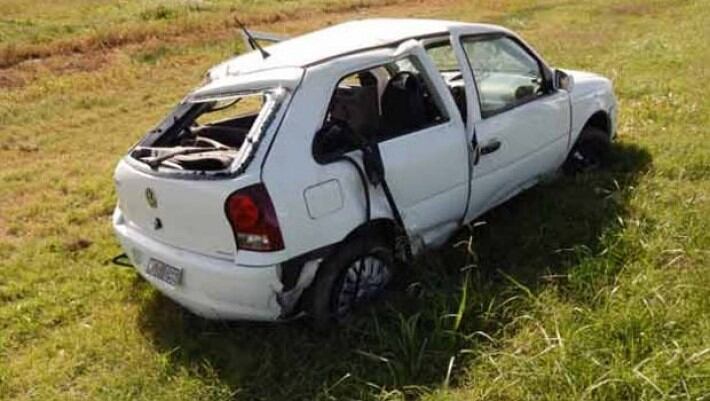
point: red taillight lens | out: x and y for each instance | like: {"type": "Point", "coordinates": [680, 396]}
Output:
{"type": "Point", "coordinates": [253, 219]}
{"type": "Point", "coordinates": [243, 212]}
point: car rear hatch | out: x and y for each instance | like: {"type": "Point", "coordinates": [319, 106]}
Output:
{"type": "Point", "coordinates": [187, 214]}
{"type": "Point", "coordinates": [185, 207]}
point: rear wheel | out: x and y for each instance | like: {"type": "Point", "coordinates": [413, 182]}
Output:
{"type": "Point", "coordinates": [356, 274]}
{"type": "Point", "coordinates": [590, 153]}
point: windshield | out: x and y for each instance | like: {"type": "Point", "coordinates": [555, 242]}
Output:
{"type": "Point", "coordinates": [211, 135]}
{"type": "Point", "coordinates": [444, 57]}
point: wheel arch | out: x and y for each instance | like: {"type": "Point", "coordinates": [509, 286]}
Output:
{"type": "Point", "coordinates": [602, 130]}
{"type": "Point", "coordinates": [381, 226]}
{"type": "Point", "coordinates": [598, 118]}
{"type": "Point", "coordinates": [601, 120]}
{"type": "Point", "coordinates": [293, 269]}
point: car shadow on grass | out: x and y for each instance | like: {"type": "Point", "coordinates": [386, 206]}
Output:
{"type": "Point", "coordinates": [405, 343]}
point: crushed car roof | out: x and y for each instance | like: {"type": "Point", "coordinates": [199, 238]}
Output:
{"type": "Point", "coordinates": [338, 40]}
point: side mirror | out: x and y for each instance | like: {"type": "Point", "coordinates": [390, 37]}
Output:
{"type": "Point", "coordinates": [563, 80]}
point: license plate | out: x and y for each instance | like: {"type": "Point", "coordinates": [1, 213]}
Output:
{"type": "Point", "coordinates": [164, 272]}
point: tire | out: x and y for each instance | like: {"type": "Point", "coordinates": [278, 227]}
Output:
{"type": "Point", "coordinates": [338, 289]}
{"type": "Point", "coordinates": [590, 153]}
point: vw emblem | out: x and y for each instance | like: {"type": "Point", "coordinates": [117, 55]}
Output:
{"type": "Point", "coordinates": [150, 198]}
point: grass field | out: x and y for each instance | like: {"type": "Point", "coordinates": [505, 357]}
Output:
{"type": "Point", "coordinates": [588, 288]}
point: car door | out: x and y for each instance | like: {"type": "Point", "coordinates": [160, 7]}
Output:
{"type": "Point", "coordinates": [427, 166]}
{"type": "Point", "coordinates": [522, 127]}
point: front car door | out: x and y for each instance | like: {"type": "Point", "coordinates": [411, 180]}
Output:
{"type": "Point", "coordinates": [521, 123]}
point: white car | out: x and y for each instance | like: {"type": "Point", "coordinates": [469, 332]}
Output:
{"type": "Point", "coordinates": [297, 177]}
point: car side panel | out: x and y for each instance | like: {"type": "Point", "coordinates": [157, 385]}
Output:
{"type": "Point", "coordinates": [533, 139]}
{"type": "Point", "coordinates": [290, 170]}
{"type": "Point", "coordinates": [590, 94]}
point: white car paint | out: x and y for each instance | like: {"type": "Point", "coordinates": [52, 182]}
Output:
{"type": "Point", "coordinates": [533, 141]}
{"type": "Point", "coordinates": [591, 93]}
{"type": "Point", "coordinates": [438, 177]}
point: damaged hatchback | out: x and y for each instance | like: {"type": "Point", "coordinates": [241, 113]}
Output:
{"type": "Point", "coordinates": [299, 177]}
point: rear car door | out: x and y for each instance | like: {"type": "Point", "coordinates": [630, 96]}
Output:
{"type": "Point", "coordinates": [523, 127]}
{"type": "Point", "coordinates": [426, 160]}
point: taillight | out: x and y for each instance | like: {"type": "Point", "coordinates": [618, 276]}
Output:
{"type": "Point", "coordinates": [253, 219]}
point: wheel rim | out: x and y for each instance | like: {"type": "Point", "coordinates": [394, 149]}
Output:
{"type": "Point", "coordinates": [586, 158]}
{"type": "Point", "coordinates": [364, 279]}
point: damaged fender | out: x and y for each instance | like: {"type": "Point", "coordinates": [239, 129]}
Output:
{"type": "Point", "coordinates": [288, 298]}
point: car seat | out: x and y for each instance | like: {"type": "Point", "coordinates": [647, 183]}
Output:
{"type": "Point", "coordinates": [403, 104]}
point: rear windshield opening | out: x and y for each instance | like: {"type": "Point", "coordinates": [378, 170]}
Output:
{"type": "Point", "coordinates": [205, 136]}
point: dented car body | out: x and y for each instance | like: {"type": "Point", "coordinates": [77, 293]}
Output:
{"type": "Point", "coordinates": [294, 180]}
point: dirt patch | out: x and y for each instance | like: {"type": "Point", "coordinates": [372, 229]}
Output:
{"type": "Point", "coordinates": [12, 54]}
{"type": "Point", "coordinates": [23, 73]}
{"type": "Point", "coordinates": [4, 235]}
{"type": "Point", "coordinates": [19, 147]}
{"type": "Point", "coordinates": [20, 66]}
{"type": "Point", "coordinates": [77, 245]}
{"type": "Point", "coordinates": [87, 63]}
{"type": "Point", "coordinates": [635, 9]}
{"type": "Point", "coordinates": [11, 79]}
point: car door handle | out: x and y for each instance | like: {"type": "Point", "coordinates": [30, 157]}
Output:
{"type": "Point", "coordinates": [490, 147]}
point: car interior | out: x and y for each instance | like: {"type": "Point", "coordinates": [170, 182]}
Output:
{"type": "Point", "coordinates": [376, 105]}
{"type": "Point", "coordinates": [207, 137]}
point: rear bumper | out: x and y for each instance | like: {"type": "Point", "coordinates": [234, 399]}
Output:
{"type": "Point", "coordinates": [211, 287]}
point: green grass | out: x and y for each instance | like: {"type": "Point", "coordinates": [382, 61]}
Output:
{"type": "Point", "coordinates": [31, 31]}
{"type": "Point", "coordinates": [593, 287]}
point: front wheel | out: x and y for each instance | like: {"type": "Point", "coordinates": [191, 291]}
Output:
{"type": "Point", "coordinates": [590, 153]}
{"type": "Point", "coordinates": [357, 273]}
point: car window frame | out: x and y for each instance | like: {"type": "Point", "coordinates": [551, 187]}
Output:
{"type": "Point", "coordinates": [443, 42]}
{"type": "Point", "coordinates": [544, 71]}
{"type": "Point", "coordinates": [445, 112]}
{"type": "Point", "coordinates": [438, 101]}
